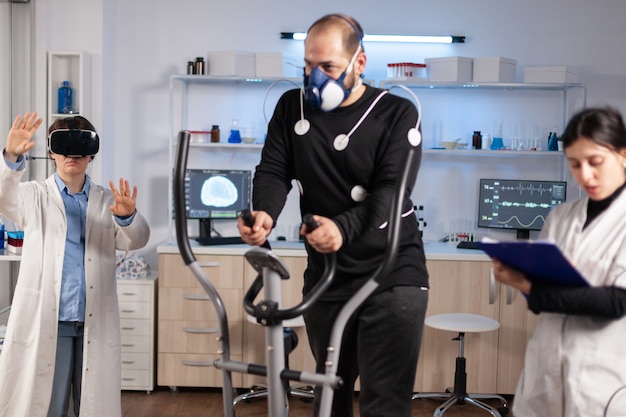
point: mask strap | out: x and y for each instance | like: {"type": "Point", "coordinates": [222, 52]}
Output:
{"type": "Point", "coordinates": [352, 60]}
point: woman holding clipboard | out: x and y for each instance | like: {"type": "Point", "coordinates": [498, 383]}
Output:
{"type": "Point", "coordinates": [574, 364]}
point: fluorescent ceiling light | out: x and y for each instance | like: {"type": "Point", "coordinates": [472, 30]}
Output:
{"type": "Point", "coordinates": [299, 36]}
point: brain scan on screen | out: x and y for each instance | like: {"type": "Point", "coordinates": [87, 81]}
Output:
{"type": "Point", "coordinates": [218, 192]}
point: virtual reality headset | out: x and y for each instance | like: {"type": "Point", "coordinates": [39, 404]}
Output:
{"type": "Point", "coordinates": [73, 142]}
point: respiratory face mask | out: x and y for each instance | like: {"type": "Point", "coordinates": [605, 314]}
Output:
{"type": "Point", "coordinates": [324, 93]}
{"type": "Point", "coordinates": [73, 142]}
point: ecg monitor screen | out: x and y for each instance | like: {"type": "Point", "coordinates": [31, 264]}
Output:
{"type": "Point", "coordinates": [216, 194]}
{"type": "Point", "coordinates": [518, 204]}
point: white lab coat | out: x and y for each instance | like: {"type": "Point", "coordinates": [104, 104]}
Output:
{"type": "Point", "coordinates": [28, 356]}
{"type": "Point", "coordinates": [575, 364]}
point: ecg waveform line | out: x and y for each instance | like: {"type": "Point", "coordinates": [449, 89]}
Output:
{"type": "Point", "coordinates": [543, 219]}
{"type": "Point", "coordinates": [526, 204]}
{"type": "Point", "coordinates": [529, 188]}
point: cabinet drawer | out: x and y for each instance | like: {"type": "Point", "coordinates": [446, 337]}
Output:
{"type": "Point", "coordinates": [194, 304]}
{"type": "Point", "coordinates": [134, 310]}
{"type": "Point", "coordinates": [222, 270]}
{"type": "Point", "coordinates": [136, 344]}
{"type": "Point", "coordinates": [136, 361]}
{"type": "Point", "coordinates": [135, 378]}
{"type": "Point", "coordinates": [196, 337]}
{"type": "Point", "coordinates": [135, 327]}
{"type": "Point", "coordinates": [172, 371]}
{"type": "Point", "coordinates": [134, 292]}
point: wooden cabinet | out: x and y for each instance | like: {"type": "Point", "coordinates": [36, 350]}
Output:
{"type": "Point", "coordinates": [517, 324]}
{"type": "Point", "coordinates": [187, 323]}
{"type": "Point", "coordinates": [137, 301]}
{"type": "Point", "coordinates": [187, 345]}
{"type": "Point", "coordinates": [494, 359]}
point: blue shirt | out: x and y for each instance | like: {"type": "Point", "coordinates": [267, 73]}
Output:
{"type": "Point", "coordinates": [72, 303]}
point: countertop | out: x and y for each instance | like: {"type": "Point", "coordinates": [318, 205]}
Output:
{"type": "Point", "coordinates": [433, 250]}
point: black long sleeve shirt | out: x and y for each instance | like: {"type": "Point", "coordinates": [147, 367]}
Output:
{"type": "Point", "coordinates": [352, 186]}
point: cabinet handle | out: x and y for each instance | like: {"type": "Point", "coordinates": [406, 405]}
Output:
{"type": "Point", "coordinates": [211, 264]}
{"type": "Point", "coordinates": [127, 345]}
{"type": "Point", "coordinates": [128, 311]}
{"type": "Point", "coordinates": [201, 297]}
{"type": "Point", "coordinates": [128, 328]}
{"type": "Point", "coordinates": [200, 329]}
{"type": "Point", "coordinates": [509, 295]}
{"type": "Point", "coordinates": [129, 293]}
{"type": "Point", "coordinates": [128, 379]}
{"type": "Point", "coordinates": [128, 362]}
{"type": "Point", "coordinates": [198, 363]}
{"type": "Point", "coordinates": [492, 286]}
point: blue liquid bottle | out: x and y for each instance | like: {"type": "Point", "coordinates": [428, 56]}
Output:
{"type": "Point", "coordinates": [65, 98]}
{"type": "Point", "coordinates": [235, 136]}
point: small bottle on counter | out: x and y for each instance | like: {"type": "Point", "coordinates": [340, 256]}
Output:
{"type": "Point", "coordinates": [191, 68]}
{"type": "Point", "coordinates": [65, 98]}
{"type": "Point", "coordinates": [200, 65]}
{"type": "Point", "coordinates": [215, 134]}
{"type": "Point", "coordinates": [486, 141]}
{"type": "Point", "coordinates": [477, 140]}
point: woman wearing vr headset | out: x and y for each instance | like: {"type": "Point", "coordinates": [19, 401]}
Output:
{"type": "Point", "coordinates": [63, 334]}
{"type": "Point", "coordinates": [345, 148]}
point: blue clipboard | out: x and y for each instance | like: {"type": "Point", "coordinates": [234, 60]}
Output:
{"type": "Point", "coordinates": [541, 261]}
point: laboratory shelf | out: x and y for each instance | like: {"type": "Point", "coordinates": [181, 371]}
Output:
{"type": "Point", "coordinates": [484, 86]}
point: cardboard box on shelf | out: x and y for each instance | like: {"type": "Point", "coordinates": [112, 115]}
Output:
{"type": "Point", "coordinates": [278, 64]}
{"type": "Point", "coordinates": [494, 70]}
{"type": "Point", "coordinates": [449, 69]}
{"type": "Point", "coordinates": [231, 63]}
{"type": "Point", "coordinates": [549, 74]}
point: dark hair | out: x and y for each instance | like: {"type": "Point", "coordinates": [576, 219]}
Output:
{"type": "Point", "coordinates": [74, 122]}
{"type": "Point", "coordinates": [602, 125]}
{"type": "Point", "coordinates": [352, 30]}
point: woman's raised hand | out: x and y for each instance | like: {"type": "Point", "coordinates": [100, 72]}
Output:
{"type": "Point", "coordinates": [124, 200]}
{"type": "Point", "coordinates": [19, 140]}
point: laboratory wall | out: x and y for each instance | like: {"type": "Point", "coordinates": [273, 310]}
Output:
{"type": "Point", "coordinates": [136, 45]}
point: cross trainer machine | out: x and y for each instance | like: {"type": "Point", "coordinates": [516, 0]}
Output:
{"type": "Point", "coordinates": [268, 312]}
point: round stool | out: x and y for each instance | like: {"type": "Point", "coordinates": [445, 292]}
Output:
{"type": "Point", "coordinates": [462, 323]}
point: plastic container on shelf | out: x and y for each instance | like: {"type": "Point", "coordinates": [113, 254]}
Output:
{"type": "Point", "coordinates": [65, 98]}
{"type": "Point", "coordinates": [406, 71]}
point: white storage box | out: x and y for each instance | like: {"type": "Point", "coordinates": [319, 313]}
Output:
{"type": "Point", "coordinates": [449, 69]}
{"type": "Point", "coordinates": [233, 63]}
{"type": "Point", "coordinates": [494, 70]}
{"type": "Point", "coordinates": [558, 74]}
{"type": "Point", "coordinates": [278, 64]}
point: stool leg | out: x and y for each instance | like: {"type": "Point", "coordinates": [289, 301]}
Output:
{"type": "Point", "coordinates": [443, 407]}
{"type": "Point", "coordinates": [494, 412]}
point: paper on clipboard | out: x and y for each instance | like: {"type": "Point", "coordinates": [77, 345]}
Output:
{"type": "Point", "coordinates": [541, 261]}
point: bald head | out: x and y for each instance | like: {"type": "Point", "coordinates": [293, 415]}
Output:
{"type": "Point", "coordinates": [349, 30]}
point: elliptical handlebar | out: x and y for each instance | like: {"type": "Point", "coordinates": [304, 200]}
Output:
{"type": "Point", "coordinates": [180, 219]}
{"type": "Point", "coordinates": [269, 314]}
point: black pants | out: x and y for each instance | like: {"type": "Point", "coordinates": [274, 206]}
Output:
{"type": "Point", "coordinates": [380, 345]}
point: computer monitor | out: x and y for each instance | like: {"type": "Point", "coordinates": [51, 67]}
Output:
{"type": "Point", "coordinates": [521, 205]}
{"type": "Point", "coordinates": [216, 194]}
